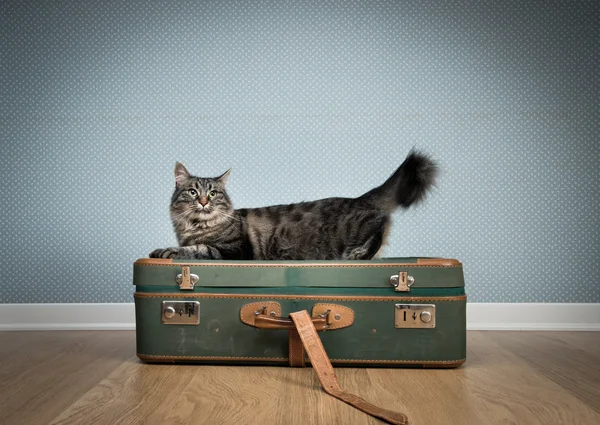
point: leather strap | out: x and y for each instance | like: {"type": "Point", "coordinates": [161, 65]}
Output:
{"type": "Point", "coordinates": [297, 354]}
{"type": "Point", "coordinates": [321, 364]}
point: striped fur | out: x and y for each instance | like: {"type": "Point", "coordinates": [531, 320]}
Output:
{"type": "Point", "coordinates": [208, 227]}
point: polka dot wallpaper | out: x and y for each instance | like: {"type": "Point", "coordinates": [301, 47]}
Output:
{"type": "Point", "coordinates": [303, 100]}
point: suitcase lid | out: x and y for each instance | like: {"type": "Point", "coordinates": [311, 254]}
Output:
{"type": "Point", "coordinates": [400, 274]}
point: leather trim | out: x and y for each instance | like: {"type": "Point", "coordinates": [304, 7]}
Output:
{"type": "Point", "coordinates": [247, 312]}
{"type": "Point", "coordinates": [296, 350]}
{"type": "Point", "coordinates": [438, 363]}
{"type": "Point", "coordinates": [438, 262]}
{"type": "Point", "coordinates": [421, 263]}
{"type": "Point", "coordinates": [154, 262]}
{"type": "Point", "coordinates": [345, 314]}
{"type": "Point", "coordinates": [152, 357]}
{"type": "Point", "coordinates": [427, 363]}
{"type": "Point", "coordinates": [295, 297]}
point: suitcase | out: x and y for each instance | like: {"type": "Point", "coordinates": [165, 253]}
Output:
{"type": "Point", "coordinates": [389, 312]}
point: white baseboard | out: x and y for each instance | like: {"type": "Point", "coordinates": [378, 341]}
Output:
{"type": "Point", "coordinates": [533, 316]}
{"type": "Point", "coordinates": [34, 317]}
{"type": "Point", "coordinates": [480, 316]}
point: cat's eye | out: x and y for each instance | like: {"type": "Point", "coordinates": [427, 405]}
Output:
{"type": "Point", "coordinates": [193, 192]}
{"type": "Point", "coordinates": [212, 194]}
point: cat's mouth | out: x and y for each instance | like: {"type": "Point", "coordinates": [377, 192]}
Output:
{"type": "Point", "coordinates": [205, 211]}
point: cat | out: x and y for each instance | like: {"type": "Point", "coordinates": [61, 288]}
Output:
{"type": "Point", "coordinates": [208, 227]}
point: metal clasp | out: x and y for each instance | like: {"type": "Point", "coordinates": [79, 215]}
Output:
{"type": "Point", "coordinates": [402, 281]}
{"type": "Point", "coordinates": [263, 311]}
{"type": "Point", "coordinates": [414, 316]}
{"type": "Point", "coordinates": [180, 312]}
{"type": "Point", "coordinates": [186, 280]}
{"type": "Point", "coordinates": [325, 315]}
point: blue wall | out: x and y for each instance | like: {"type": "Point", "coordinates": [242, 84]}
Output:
{"type": "Point", "coordinates": [304, 99]}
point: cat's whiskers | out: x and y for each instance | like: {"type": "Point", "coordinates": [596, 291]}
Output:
{"type": "Point", "coordinates": [227, 216]}
{"type": "Point", "coordinates": [185, 216]}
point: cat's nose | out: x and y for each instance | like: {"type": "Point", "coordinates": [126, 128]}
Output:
{"type": "Point", "coordinates": [203, 200]}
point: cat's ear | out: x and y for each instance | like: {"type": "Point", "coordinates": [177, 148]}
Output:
{"type": "Point", "coordinates": [181, 174]}
{"type": "Point", "coordinates": [223, 177]}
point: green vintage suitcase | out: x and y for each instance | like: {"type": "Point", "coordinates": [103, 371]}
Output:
{"type": "Point", "coordinates": [390, 312]}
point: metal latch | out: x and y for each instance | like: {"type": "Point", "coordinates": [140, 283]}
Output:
{"type": "Point", "coordinates": [402, 281]}
{"type": "Point", "coordinates": [180, 312]}
{"type": "Point", "coordinates": [186, 280]}
{"type": "Point", "coordinates": [414, 316]}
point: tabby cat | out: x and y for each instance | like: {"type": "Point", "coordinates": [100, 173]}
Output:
{"type": "Point", "coordinates": [208, 227]}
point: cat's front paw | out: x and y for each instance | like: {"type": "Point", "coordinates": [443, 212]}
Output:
{"type": "Point", "coordinates": [165, 253]}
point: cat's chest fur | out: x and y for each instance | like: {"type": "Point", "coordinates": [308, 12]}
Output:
{"type": "Point", "coordinates": [200, 232]}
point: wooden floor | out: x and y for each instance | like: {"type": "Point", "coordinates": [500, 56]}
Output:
{"type": "Point", "coordinates": [95, 378]}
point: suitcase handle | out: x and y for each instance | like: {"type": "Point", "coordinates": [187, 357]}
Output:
{"type": "Point", "coordinates": [267, 315]}
{"type": "Point", "coordinates": [263, 321]}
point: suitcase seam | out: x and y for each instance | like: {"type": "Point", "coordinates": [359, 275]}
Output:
{"type": "Point", "coordinates": [291, 297]}
{"type": "Point", "coordinates": [400, 265]}
{"type": "Point", "coordinates": [284, 359]}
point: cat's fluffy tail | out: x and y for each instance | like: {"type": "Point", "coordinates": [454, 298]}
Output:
{"type": "Point", "coordinates": [408, 186]}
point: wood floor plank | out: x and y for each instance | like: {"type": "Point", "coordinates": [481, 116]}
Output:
{"type": "Point", "coordinates": [209, 395]}
{"type": "Point", "coordinates": [43, 384]}
{"type": "Point", "coordinates": [227, 395]}
{"type": "Point", "coordinates": [157, 394]}
{"type": "Point", "coordinates": [586, 341]}
{"type": "Point", "coordinates": [94, 378]}
{"type": "Point", "coordinates": [355, 381]}
{"type": "Point", "coordinates": [493, 387]}
{"type": "Point", "coordinates": [13, 341]}
{"type": "Point", "coordinates": [426, 396]}
{"type": "Point", "coordinates": [23, 351]}
{"type": "Point", "coordinates": [509, 390]}
{"type": "Point", "coordinates": [301, 399]}
{"type": "Point", "coordinates": [552, 355]}
{"type": "Point", "coordinates": [131, 394]}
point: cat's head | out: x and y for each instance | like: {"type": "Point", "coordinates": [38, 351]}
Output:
{"type": "Point", "coordinates": [199, 198]}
